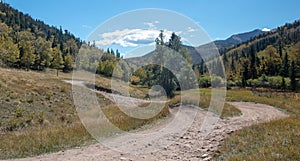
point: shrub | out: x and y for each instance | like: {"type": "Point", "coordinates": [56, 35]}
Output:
{"type": "Point", "coordinates": [208, 81]}
{"type": "Point", "coordinates": [231, 83]}
{"type": "Point", "coordinates": [204, 81]}
{"type": "Point", "coordinates": [217, 81]}
{"type": "Point", "coordinates": [274, 82]}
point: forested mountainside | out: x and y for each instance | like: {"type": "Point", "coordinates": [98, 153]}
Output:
{"type": "Point", "coordinates": [272, 58]}
{"type": "Point", "coordinates": [27, 43]}
{"type": "Point", "coordinates": [31, 44]}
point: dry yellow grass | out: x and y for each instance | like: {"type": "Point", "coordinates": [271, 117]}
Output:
{"type": "Point", "coordinates": [38, 114]}
{"type": "Point", "coordinates": [191, 97]}
{"type": "Point", "coordinates": [275, 140]}
{"type": "Point", "coordinates": [103, 83]}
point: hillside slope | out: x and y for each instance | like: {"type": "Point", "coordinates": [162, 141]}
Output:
{"type": "Point", "coordinates": [274, 53]}
{"type": "Point", "coordinates": [31, 44]}
{"type": "Point", "coordinates": [237, 39]}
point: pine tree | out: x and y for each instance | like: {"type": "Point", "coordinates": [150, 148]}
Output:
{"type": "Point", "coordinates": [285, 66]}
{"type": "Point", "coordinates": [283, 84]}
{"type": "Point", "coordinates": [112, 52]}
{"type": "Point", "coordinates": [167, 82]}
{"type": "Point", "coordinates": [280, 50]}
{"type": "Point", "coordinates": [174, 42]}
{"type": "Point", "coordinates": [245, 74]}
{"type": "Point", "coordinates": [253, 59]}
{"type": "Point", "coordinates": [292, 75]}
{"type": "Point", "coordinates": [232, 65]}
{"type": "Point", "coordinates": [118, 55]}
{"type": "Point", "coordinates": [202, 67]}
{"type": "Point", "coordinates": [164, 77]}
{"type": "Point", "coordinates": [161, 37]}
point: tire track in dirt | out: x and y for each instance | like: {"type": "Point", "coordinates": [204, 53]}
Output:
{"type": "Point", "coordinates": [195, 144]}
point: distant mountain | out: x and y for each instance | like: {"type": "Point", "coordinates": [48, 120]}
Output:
{"type": "Point", "coordinates": [270, 53]}
{"type": "Point", "coordinates": [237, 39]}
{"type": "Point", "coordinates": [257, 59]}
{"type": "Point", "coordinates": [269, 60]}
{"type": "Point", "coordinates": [219, 44]}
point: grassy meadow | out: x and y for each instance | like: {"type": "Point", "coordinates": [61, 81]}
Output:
{"type": "Point", "coordinates": [274, 140]}
{"type": "Point", "coordinates": [38, 116]}
{"type": "Point", "coordinates": [190, 98]}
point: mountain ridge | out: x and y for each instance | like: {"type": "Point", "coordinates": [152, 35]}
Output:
{"type": "Point", "coordinates": [231, 41]}
{"type": "Point", "coordinates": [236, 39]}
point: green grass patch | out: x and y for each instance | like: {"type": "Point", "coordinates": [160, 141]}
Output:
{"type": "Point", "coordinates": [274, 140]}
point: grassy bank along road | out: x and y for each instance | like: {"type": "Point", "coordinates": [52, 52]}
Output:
{"type": "Point", "coordinates": [193, 145]}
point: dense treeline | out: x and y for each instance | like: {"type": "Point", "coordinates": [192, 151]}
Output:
{"type": "Point", "coordinates": [108, 63]}
{"type": "Point", "coordinates": [268, 60]}
{"type": "Point", "coordinates": [31, 44]}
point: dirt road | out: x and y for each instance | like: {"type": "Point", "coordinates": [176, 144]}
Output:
{"type": "Point", "coordinates": [195, 144]}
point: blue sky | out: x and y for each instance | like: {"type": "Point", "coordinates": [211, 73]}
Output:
{"type": "Point", "coordinates": [139, 28]}
{"type": "Point", "coordinates": [219, 19]}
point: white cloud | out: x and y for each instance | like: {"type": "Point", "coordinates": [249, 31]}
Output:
{"type": "Point", "coordinates": [131, 37]}
{"type": "Point", "coordinates": [266, 29]}
{"type": "Point", "coordinates": [191, 29]}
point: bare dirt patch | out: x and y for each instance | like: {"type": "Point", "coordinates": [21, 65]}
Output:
{"type": "Point", "coordinates": [195, 144]}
